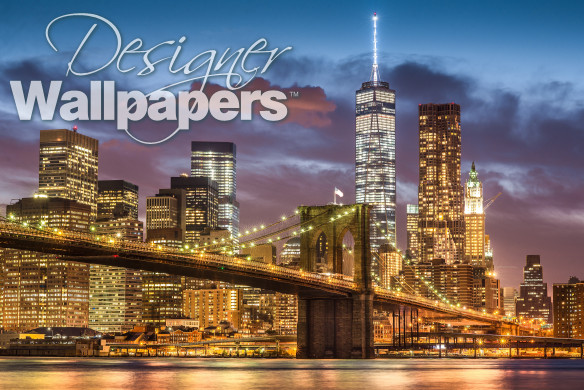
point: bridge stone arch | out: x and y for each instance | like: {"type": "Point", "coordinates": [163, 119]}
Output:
{"type": "Point", "coordinates": [336, 326]}
{"type": "Point", "coordinates": [335, 221]}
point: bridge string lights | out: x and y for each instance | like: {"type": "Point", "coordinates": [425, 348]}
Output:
{"type": "Point", "coordinates": [251, 243]}
{"type": "Point", "coordinates": [285, 233]}
{"type": "Point", "coordinates": [66, 240]}
{"type": "Point", "coordinates": [267, 238]}
{"type": "Point", "coordinates": [225, 261]}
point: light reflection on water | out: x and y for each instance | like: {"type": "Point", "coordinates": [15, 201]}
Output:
{"type": "Point", "coordinates": [176, 373]}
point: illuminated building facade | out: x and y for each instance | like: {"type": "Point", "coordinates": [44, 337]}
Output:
{"type": "Point", "coordinates": [486, 291]}
{"type": "Point", "coordinates": [440, 194]}
{"type": "Point", "coordinates": [161, 297]}
{"type": "Point", "coordinates": [413, 251]}
{"type": "Point", "coordinates": [285, 314]}
{"type": "Point", "coordinates": [290, 254]}
{"type": "Point", "coordinates": [489, 253]}
{"type": "Point", "coordinates": [265, 253]}
{"type": "Point", "coordinates": [68, 166]}
{"type": "Point", "coordinates": [117, 199]}
{"type": "Point", "coordinates": [533, 301]}
{"type": "Point", "coordinates": [201, 205]}
{"type": "Point", "coordinates": [454, 282]}
{"type": "Point", "coordinates": [165, 226]}
{"type": "Point", "coordinates": [569, 309]}
{"type": "Point", "coordinates": [217, 161]}
{"type": "Point", "coordinates": [166, 217]}
{"type": "Point", "coordinates": [41, 290]}
{"type": "Point", "coordinates": [510, 295]}
{"type": "Point", "coordinates": [115, 293]}
{"type": "Point", "coordinates": [474, 219]}
{"type": "Point", "coordinates": [390, 265]}
{"type": "Point", "coordinates": [375, 180]}
{"type": "Point", "coordinates": [211, 306]}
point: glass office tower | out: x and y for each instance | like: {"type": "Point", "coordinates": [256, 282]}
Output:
{"type": "Point", "coordinates": [375, 180]}
{"type": "Point", "coordinates": [217, 161]}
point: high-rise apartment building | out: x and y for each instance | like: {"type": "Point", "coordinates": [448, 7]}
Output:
{"type": "Point", "coordinates": [117, 199]}
{"type": "Point", "coordinates": [115, 293]}
{"type": "Point", "coordinates": [217, 161]}
{"type": "Point", "coordinates": [211, 306]}
{"type": "Point", "coordinates": [453, 282]}
{"type": "Point", "coordinates": [533, 301]}
{"type": "Point", "coordinates": [569, 309]}
{"type": "Point", "coordinates": [413, 251]}
{"type": "Point", "coordinates": [486, 291]}
{"type": "Point", "coordinates": [41, 290]}
{"type": "Point", "coordinates": [202, 205]}
{"type": "Point", "coordinates": [166, 217]}
{"type": "Point", "coordinates": [68, 166]}
{"type": "Point", "coordinates": [165, 226]}
{"type": "Point", "coordinates": [390, 265]}
{"type": "Point", "coordinates": [440, 193]}
{"type": "Point", "coordinates": [474, 220]}
{"type": "Point", "coordinates": [375, 179]}
{"type": "Point", "coordinates": [285, 314]}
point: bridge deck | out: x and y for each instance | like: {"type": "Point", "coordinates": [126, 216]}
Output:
{"type": "Point", "coordinates": [93, 249]}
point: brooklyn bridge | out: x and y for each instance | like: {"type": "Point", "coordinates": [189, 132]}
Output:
{"type": "Point", "coordinates": [335, 311]}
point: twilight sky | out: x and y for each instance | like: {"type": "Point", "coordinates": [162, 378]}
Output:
{"type": "Point", "coordinates": [515, 69]}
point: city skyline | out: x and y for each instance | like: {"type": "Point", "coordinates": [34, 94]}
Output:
{"type": "Point", "coordinates": [538, 176]}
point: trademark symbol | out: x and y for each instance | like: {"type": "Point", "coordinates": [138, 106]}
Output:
{"type": "Point", "coordinates": [294, 94]}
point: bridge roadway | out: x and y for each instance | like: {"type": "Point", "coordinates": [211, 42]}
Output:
{"type": "Point", "coordinates": [93, 249]}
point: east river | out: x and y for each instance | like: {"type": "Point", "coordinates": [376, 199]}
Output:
{"type": "Point", "coordinates": [230, 374]}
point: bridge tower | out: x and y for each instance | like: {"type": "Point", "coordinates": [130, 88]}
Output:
{"type": "Point", "coordinates": [335, 326]}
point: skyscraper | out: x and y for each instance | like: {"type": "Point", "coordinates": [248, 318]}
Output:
{"type": "Point", "coordinates": [166, 217]}
{"type": "Point", "coordinates": [41, 290]}
{"type": "Point", "coordinates": [390, 265]}
{"type": "Point", "coordinates": [211, 306]}
{"type": "Point", "coordinates": [217, 161]}
{"type": "Point", "coordinates": [441, 225]}
{"type": "Point", "coordinates": [453, 281]}
{"type": "Point", "coordinates": [116, 199]}
{"type": "Point", "coordinates": [165, 225]}
{"type": "Point", "coordinates": [474, 220]}
{"type": "Point", "coordinates": [115, 293]}
{"type": "Point", "coordinates": [486, 291]}
{"type": "Point", "coordinates": [202, 208]}
{"type": "Point", "coordinates": [68, 166]}
{"type": "Point", "coordinates": [568, 313]}
{"type": "Point", "coordinates": [285, 314]}
{"type": "Point", "coordinates": [412, 232]}
{"type": "Point", "coordinates": [375, 180]}
{"type": "Point", "coordinates": [510, 295]}
{"type": "Point", "coordinates": [533, 301]}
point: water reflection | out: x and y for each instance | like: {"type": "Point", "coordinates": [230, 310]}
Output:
{"type": "Point", "coordinates": [176, 373]}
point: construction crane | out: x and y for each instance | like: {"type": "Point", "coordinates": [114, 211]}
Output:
{"type": "Point", "coordinates": [490, 201]}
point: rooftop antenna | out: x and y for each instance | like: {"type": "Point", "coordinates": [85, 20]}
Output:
{"type": "Point", "coordinates": [374, 71]}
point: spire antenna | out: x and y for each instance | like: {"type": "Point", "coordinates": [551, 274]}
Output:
{"type": "Point", "coordinates": [374, 71]}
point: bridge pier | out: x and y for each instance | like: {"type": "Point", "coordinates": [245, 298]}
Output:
{"type": "Point", "coordinates": [337, 328]}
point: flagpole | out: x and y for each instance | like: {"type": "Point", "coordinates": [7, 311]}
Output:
{"type": "Point", "coordinates": [335, 196]}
